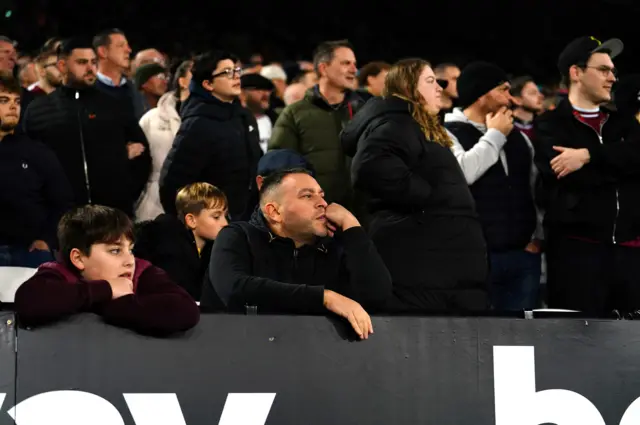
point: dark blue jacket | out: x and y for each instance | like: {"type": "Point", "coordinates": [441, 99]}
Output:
{"type": "Point", "coordinates": [217, 143]}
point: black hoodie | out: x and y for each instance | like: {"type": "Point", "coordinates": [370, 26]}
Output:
{"type": "Point", "coordinates": [252, 266]}
{"type": "Point", "coordinates": [217, 143]}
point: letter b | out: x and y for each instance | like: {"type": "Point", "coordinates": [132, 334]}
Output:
{"type": "Point", "coordinates": [517, 401]}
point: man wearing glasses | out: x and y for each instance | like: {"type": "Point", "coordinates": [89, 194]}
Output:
{"type": "Point", "coordinates": [218, 141]}
{"type": "Point", "coordinates": [589, 159]}
{"type": "Point", "coordinates": [49, 76]}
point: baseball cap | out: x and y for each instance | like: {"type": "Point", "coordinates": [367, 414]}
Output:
{"type": "Point", "coordinates": [282, 159]}
{"type": "Point", "coordinates": [580, 50]}
{"type": "Point", "coordinates": [256, 82]}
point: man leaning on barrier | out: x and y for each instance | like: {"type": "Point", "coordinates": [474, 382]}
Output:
{"type": "Point", "coordinates": [298, 255]}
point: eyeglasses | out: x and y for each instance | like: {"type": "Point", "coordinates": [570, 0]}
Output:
{"type": "Point", "coordinates": [605, 70]}
{"type": "Point", "coordinates": [229, 72]}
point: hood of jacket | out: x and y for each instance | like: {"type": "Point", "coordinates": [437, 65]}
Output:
{"type": "Point", "coordinates": [372, 110]}
{"type": "Point", "coordinates": [167, 107]}
{"type": "Point", "coordinates": [202, 103]}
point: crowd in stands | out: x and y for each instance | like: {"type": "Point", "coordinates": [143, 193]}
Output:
{"type": "Point", "coordinates": [140, 184]}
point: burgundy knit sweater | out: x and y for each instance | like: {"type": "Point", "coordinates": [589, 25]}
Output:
{"type": "Point", "coordinates": [157, 305]}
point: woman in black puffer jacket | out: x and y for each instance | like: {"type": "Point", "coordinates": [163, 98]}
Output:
{"type": "Point", "coordinates": [423, 218]}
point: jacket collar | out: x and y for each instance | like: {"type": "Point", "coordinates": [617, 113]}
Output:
{"type": "Point", "coordinates": [258, 221]}
{"type": "Point", "coordinates": [566, 109]}
{"type": "Point", "coordinates": [314, 96]}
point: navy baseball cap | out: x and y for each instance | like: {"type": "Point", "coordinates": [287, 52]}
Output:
{"type": "Point", "coordinates": [282, 159]}
{"type": "Point", "coordinates": [580, 50]}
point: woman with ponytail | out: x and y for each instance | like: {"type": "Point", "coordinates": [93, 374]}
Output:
{"type": "Point", "coordinates": [423, 218]}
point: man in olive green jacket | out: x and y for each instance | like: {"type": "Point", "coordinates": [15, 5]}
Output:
{"type": "Point", "coordinates": [312, 126]}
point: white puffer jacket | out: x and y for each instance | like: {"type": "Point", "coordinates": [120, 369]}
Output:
{"type": "Point", "coordinates": [160, 125]}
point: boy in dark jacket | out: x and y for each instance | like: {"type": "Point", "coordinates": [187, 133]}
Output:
{"type": "Point", "coordinates": [181, 245]}
{"type": "Point", "coordinates": [98, 273]}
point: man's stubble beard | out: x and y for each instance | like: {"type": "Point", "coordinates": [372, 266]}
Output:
{"type": "Point", "coordinates": [7, 128]}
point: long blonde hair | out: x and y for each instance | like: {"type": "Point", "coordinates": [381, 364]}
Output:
{"type": "Point", "coordinates": [402, 82]}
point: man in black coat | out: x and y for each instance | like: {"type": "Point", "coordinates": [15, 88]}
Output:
{"type": "Point", "coordinates": [589, 159]}
{"type": "Point", "coordinates": [298, 255]}
{"type": "Point", "coordinates": [34, 192]}
{"type": "Point", "coordinates": [98, 142]}
{"type": "Point", "coordinates": [218, 140]}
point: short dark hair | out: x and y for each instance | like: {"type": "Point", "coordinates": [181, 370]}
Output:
{"type": "Point", "coordinates": [70, 44]}
{"type": "Point", "coordinates": [103, 39]}
{"type": "Point", "coordinates": [441, 67]}
{"type": "Point", "coordinates": [274, 179]}
{"type": "Point", "coordinates": [85, 226]}
{"type": "Point", "coordinates": [326, 50]}
{"type": "Point", "coordinates": [206, 63]}
{"type": "Point", "coordinates": [9, 84]}
{"type": "Point", "coordinates": [372, 69]}
{"type": "Point", "coordinates": [518, 83]}
{"type": "Point", "coordinates": [300, 76]}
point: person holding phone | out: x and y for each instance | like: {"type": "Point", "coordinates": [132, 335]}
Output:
{"type": "Point", "coordinates": [299, 255]}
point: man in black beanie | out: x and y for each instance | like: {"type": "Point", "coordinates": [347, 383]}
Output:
{"type": "Point", "coordinates": [497, 162]}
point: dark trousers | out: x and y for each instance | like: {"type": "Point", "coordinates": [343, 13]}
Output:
{"type": "Point", "coordinates": [594, 278]}
{"type": "Point", "coordinates": [515, 280]}
{"type": "Point", "coordinates": [12, 256]}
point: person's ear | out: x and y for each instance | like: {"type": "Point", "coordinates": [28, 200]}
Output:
{"type": "Point", "coordinates": [207, 85]}
{"type": "Point", "coordinates": [271, 211]}
{"type": "Point", "coordinates": [259, 181]}
{"type": "Point", "coordinates": [516, 100]}
{"type": "Point", "coordinates": [62, 65]}
{"type": "Point", "coordinates": [77, 259]}
{"type": "Point", "coordinates": [574, 72]}
{"type": "Point", "coordinates": [190, 221]}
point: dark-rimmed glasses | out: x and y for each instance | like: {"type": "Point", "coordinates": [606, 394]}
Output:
{"type": "Point", "coordinates": [229, 72]}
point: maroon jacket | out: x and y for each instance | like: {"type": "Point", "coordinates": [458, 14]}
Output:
{"type": "Point", "coordinates": [157, 305]}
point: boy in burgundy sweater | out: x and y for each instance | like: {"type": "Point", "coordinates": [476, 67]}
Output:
{"type": "Point", "coordinates": [98, 273]}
